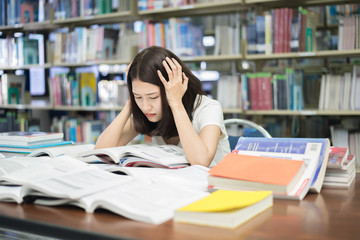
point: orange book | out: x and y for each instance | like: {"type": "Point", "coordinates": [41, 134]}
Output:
{"type": "Point", "coordinates": [243, 172]}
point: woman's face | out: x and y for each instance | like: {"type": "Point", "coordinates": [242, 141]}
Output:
{"type": "Point", "coordinates": [148, 98]}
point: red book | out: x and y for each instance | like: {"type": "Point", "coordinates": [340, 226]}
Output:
{"type": "Point", "coordinates": [337, 157]}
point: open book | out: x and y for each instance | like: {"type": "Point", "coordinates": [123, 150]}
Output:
{"type": "Point", "coordinates": [67, 180]}
{"type": "Point", "coordinates": [153, 200]}
{"type": "Point", "coordinates": [149, 155]}
{"type": "Point", "coordinates": [74, 151]}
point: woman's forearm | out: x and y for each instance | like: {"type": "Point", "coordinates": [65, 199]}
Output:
{"type": "Point", "coordinates": [197, 150]}
{"type": "Point", "coordinates": [118, 132]}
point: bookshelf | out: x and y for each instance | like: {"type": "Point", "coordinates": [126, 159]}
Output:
{"type": "Point", "coordinates": [211, 8]}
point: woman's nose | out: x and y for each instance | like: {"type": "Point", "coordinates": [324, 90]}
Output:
{"type": "Point", "coordinates": [146, 105]}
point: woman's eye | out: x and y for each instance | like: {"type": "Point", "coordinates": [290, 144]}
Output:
{"type": "Point", "coordinates": [137, 98]}
{"type": "Point", "coordinates": [154, 97]}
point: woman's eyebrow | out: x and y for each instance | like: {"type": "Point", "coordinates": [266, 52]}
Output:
{"type": "Point", "coordinates": [146, 93]}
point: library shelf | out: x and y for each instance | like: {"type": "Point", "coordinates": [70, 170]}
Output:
{"type": "Point", "coordinates": [324, 53]}
{"type": "Point", "coordinates": [194, 9]}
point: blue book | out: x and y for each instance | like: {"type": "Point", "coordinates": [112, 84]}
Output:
{"type": "Point", "coordinates": [29, 149]}
{"type": "Point", "coordinates": [314, 151]}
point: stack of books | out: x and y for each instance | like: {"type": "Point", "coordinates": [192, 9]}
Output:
{"type": "Point", "coordinates": [20, 143]}
{"type": "Point", "coordinates": [290, 167]}
{"type": "Point", "coordinates": [341, 170]}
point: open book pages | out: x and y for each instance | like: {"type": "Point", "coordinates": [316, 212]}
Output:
{"type": "Point", "coordinates": [74, 151]}
{"type": "Point", "coordinates": [73, 184]}
{"type": "Point", "coordinates": [193, 177]}
{"type": "Point", "coordinates": [151, 155]}
{"type": "Point", "coordinates": [44, 167]}
{"type": "Point", "coordinates": [142, 200]}
{"type": "Point", "coordinates": [10, 194]}
{"type": "Point", "coordinates": [151, 199]}
{"type": "Point", "coordinates": [13, 164]}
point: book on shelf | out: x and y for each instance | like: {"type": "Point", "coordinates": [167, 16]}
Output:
{"type": "Point", "coordinates": [18, 138]}
{"type": "Point", "coordinates": [244, 172]}
{"type": "Point", "coordinates": [151, 155]}
{"type": "Point", "coordinates": [88, 89]}
{"type": "Point", "coordinates": [314, 151]}
{"type": "Point", "coordinates": [29, 149]}
{"type": "Point", "coordinates": [13, 89]}
{"type": "Point", "coordinates": [225, 208]}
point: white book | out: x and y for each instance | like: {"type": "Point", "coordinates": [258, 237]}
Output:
{"type": "Point", "coordinates": [10, 194]}
{"type": "Point", "coordinates": [151, 200]}
{"type": "Point", "coordinates": [151, 155]}
{"type": "Point", "coordinates": [346, 91]}
{"type": "Point", "coordinates": [18, 138]}
{"type": "Point", "coordinates": [322, 92]}
{"type": "Point", "coordinates": [74, 151]}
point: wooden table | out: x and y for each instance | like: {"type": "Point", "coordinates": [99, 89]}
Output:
{"type": "Point", "coordinates": [333, 214]}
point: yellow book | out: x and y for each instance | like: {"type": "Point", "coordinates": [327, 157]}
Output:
{"type": "Point", "coordinates": [225, 208]}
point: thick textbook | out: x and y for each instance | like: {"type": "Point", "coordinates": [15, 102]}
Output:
{"type": "Point", "coordinates": [244, 172]}
{"type": "Point", "coordinates": [314, 151]}
{"type": "Point", "coordinates": [18, 138]}
{"type": "Point", "coordinates": [150, 155]}
{"type": "Point", "coordinates": [225, 208]}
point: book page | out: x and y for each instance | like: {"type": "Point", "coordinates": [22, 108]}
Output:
{"type": "Point", "coordinates": [147, 201]}
{"type": "Point", "coordinates": [161, 154]}
{"type": "Point", "coordinates": [74, 184]}
{"type": "Point", "coordinates": [45, 168]}
{"type": "Point", "coordinates": [9, 165]}
{"type": "Point", "coordinates": [193, 177]}
{"type": "Point", "coordinates": [74, 151]}
{"type": "Point", "coordinates": [10, 194]}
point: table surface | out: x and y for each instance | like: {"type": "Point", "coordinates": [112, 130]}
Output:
{"type": "Point", "coordinates": [332, 214]}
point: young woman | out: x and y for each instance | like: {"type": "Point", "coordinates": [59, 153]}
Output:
{"type": "Point", "coordinates": [167, 103]}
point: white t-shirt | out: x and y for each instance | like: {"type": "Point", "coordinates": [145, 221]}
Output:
{"type": "Point", "coordinates": [209, 112]}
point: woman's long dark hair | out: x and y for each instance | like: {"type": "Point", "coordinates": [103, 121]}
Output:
{"type": "Point", "coordinates": [144, 67]}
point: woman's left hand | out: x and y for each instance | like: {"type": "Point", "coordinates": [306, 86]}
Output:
{"type": "Point", "coordinates": [177, 85]}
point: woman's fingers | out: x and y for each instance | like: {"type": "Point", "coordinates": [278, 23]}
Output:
{"type": "Point", "coordinates": [162, 79]}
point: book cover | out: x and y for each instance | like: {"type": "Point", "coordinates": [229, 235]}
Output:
{"type": "Point", "coordinates": [256, 173]}
{"type": "Point", "coordinates": [13, 88]}
{"type": "Point", "coordinates": [225, 208]}
{"type": "Point", "coordinates": [337, 157]}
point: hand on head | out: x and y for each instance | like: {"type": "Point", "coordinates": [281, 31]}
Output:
{"type": "Point", "coordinates": [177, 85]}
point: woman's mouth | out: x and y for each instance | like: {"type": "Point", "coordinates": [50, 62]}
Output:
{"type": "Point", "coordinates": [149, 115]}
